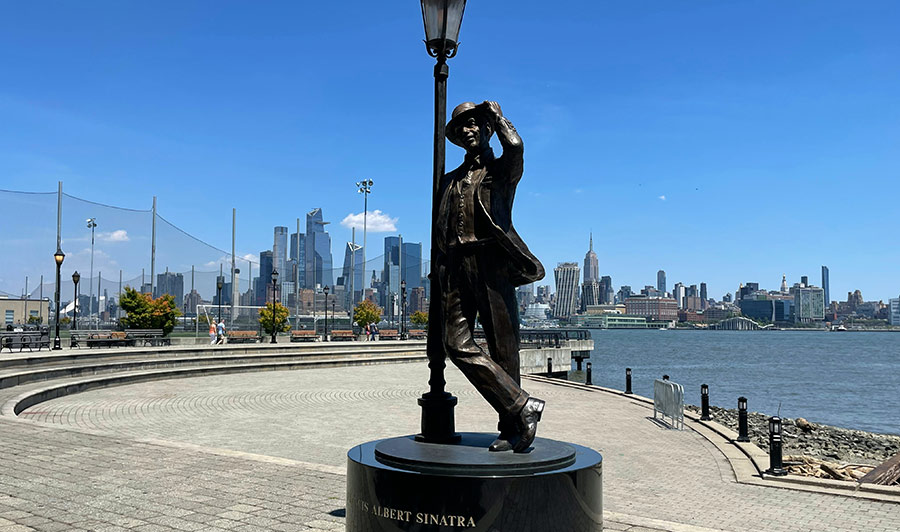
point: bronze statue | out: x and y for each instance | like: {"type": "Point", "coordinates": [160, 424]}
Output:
{"type": "Point", "coordinates": [481, 260]}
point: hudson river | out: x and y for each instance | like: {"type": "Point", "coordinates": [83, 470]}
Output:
{"type": "Point", "coordinates": [845, 379]}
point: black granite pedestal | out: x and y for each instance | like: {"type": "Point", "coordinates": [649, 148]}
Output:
{"type": "Point", "coordinates": [399, 484]}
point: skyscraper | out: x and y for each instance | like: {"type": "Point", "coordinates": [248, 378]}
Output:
{"type": "Point", "coordinates": [591, 265]}
{"type": "Point", "coordinates": [172, 284]}
{"type": "Point", "coordinates": [704, 296]}
{"type": "Point", "coordinates": [279, 252]}
{"type": "Point", "coordinates": [566, 274]}
{"type": "Point", "coordinates": [298, 255]}
{"type": "Point", "coordinates": [679, 293]}
{"type": "Point", "coordinates": [412, 264]}
{"type": "Point", "coordinates": [318, 264]}
{"type": "Point", "coordinates": [356, 283]}
{"type": "Point", "coordinates": [661, 281]}
{"type": "Point", "coordinates": [263, 285]}
{"type": "Point", "coordinates": [825, 286]}
{"type": "Point", "coordinates": [784, 286]}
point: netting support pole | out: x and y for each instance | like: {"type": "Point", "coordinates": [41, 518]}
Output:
{"type": "Point", "coordinates": [234, 287]}
{"type": "Point", "coordinates": [153, 249]}
{"type": "Point", "coordinates": [58, 250]}
{"type": "Point", "coordinates": [119, 301]}
{"type": "Point", "coordinates": [41, 299]}
{"type": "Point", "coordinates": [296, 279]}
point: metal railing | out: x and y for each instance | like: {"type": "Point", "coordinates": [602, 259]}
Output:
{"type": "Point", "coordinates": [668, 400]}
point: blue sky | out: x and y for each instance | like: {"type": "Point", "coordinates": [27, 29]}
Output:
{"type": "Point", "coordinates": [724, 142]}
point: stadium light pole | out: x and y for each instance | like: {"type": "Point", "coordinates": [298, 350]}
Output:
{"type": "Point", "coordinates": [92, 223]}
{"type": "Point", "coordinates": [364, 187]}
{"type": "Point", "coordinates": [402, 309]}
{"type": "Point", "coordinates": [59, 256]}
{"type": "Point", "coordinates": [274, 296]}
{"type": "Point", "coordinates": [442, 19]}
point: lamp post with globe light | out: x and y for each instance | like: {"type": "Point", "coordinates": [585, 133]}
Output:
{"type": "Point", "coordinates": [59, 256]}
{"type": "Point", "coordinates": [442, 19]}
{"type": "Point", "coordinates": [274, 297]}
{"type": "Point", "coordinates": [75, 278]}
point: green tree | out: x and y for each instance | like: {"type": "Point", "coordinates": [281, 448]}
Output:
{"type": "Point", "coordinates": [35, 319]}
{"type": "Point", "coordinates": [419, 318]}
{"type": "Point", "coordinates": [280, 321]}
{"type": "Point", "coordinates": [144, 312]}
{"type": "Point", "coordinates": [366, 312]}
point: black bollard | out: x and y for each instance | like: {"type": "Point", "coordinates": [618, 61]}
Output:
{"type": "Point", "coordinates": [704, 403]}
{"type": "Point", "coordinates": [628, 381]}
{"type": "Point", "coordinates": [665, 377]}
{"type": "Point", "coordinates": [776, 467]}
{"type": "Point", "coordinates": [742, 420]}
{"type": "Point", "coordinates": [587, 378]}
{"type": "Point", "coordinates": [549, 366]}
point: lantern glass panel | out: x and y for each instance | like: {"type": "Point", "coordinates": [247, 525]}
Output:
{"type": "Point", "coordinates": [434, 14]}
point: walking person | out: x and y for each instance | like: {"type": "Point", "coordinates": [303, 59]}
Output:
{"type": "Point", "coordinates": [212, 332]}
{"type": "Point", "coordinates": [368, 331]}
{"type": "Point", "coordinates": [220, 332]}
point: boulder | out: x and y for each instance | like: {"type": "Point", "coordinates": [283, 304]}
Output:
{"type": "Point", "coordinates": [804, 425]}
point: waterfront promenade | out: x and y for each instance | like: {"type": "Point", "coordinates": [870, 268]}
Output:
{"type": "Point", "coordinates": [266, 451]}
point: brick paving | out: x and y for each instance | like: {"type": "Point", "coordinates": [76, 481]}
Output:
{"type": "Point", "coordinates": [266, 451]}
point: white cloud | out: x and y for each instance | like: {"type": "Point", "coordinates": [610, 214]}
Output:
{"type": "Point", "coordinates": [225, 261]}
{"type": "Point", "coordinates": [376, 222]}
{"type": "Point", "coordinates": [119, 235]}
{"type": "Point", "coordinates": [663, 197]}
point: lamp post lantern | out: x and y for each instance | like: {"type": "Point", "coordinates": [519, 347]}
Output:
{"type": "Point", "coordinates": [274, 297]}
{"type": "Point", "coordinates": [442, 19]}
{"type": "Point", "coordinates": [325, 290]}
{"type": "Point", "coordinates": [59, 256]}
{"type": "Point", "coordinates": [743, 433]}
{"type": "Point", "coordinates": [75, 278]}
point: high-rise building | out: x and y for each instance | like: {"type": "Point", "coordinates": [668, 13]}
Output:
{"type": "Point", "coordinates": [809, 304]}
{"type": "Point", "coordinates": [567, 275]}
{"type": "Point", "coordinates": [679, 292]}
{"type": "Point", "coordinates": [590, 294]}
{"type": "Point", "coordinates": [624, 293]}
{"type": "Point", "coordinates": [894, 311]}
{"type": "Point", "coordinates": [172, 284]}
{"type": "Point", "coordinates": [607, 292]}
{"type": "Point", "coordinates": [825, 284]}
{"type": "Point", "coordinates": [279, 252]}
{"type": "Point", "coordinates": [353, 257]}
{"type": "Point", "coordinates": [804, 281]}
{"type": "Point", "coordinates": [412, 264]}
{"type": "Point", "coordinates": [591, 264]}
{"type": "Point", "coordinates": [318, 263]}
{"type": "Point", "coordinates": [784, 286]}
{"type": "Point", "coordinates": [525, 295]}
{"type": "Point", "coordinates": [661, 281]}
{"type": "Point", "coordinates": [298, 255]}
{"type": "Point", "coordinates": [263, 285]}
{"type": "Point", "coordinates": [543, 294]}
{"type": "Point", "coordinates": [704, 296]}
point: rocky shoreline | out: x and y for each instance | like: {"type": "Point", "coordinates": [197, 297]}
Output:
{"type": "Point", "coordinates": [813, 440]}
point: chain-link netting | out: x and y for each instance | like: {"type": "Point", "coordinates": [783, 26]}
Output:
{"type": "Point", "coordinates": [186, 267]}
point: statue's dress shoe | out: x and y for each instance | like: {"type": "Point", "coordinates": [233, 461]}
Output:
{"type": "Point", "coordinates": [526, 423]}
{"type": "Point", "coordinates": [500, 444]}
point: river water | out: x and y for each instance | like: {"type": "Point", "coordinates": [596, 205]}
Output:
{"type": "Point", "coordinates": [846, 379]}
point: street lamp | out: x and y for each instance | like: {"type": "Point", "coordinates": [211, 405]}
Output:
{"type": "Point", "coordinates": [364, 187]}
{"type": "Point", "coordinates": [274, 296]}
{"type": "Point", "coordinates": [325, 336]}
{"type": "Point", "coordinates": [219, 284]}
{"type": "Point", "coordinates": [91, 224]}
{"type": "Point", "coordinates": [59, 256]}
{"type": "Point", "coordinates": [442, 19]}
{"type": "Point", "coordinates": [403, 309]}
{"type": "Point", "coordinates": [75, 278]}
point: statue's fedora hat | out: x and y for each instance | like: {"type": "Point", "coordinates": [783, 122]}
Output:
{"type": "Point", "coordinates": [462, 112]}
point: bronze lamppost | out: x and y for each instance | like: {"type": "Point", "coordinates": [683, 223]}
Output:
{"type": "Point", "coordinates": [442, 20]}
{"type": "Point", "coordinates": [58, 257]}
{"type": "Point", "coordinates": [325, 336]}
{"type": "Point", "coordinates": [75, 278]}
{"type": "Point", "coordinates": [274, 297]}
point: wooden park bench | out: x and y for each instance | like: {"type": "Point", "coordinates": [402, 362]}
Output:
{"type": "Point", "coordinates": [388, 334]}
{"type": "Point", "coordinates": [417, 334]}
{"type": "Point", "coordinates": [239, 337]}
{"type": "Point", "coordinates": [342, 335]}
{"type": "Point", "coordinates": [107, 339]}
{"type": "Point", "coordinates": [304, 336]}
{"type": "Point", "coordinates": [77, 338]}
{"type": "Point", "coordinates": [152, 337]}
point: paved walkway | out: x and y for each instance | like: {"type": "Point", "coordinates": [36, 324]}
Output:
{"type": "Point", "coordinates": [266, 451]}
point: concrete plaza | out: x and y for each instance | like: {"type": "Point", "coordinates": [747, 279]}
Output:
{"type": "Point", "coordinates": [266, 451]}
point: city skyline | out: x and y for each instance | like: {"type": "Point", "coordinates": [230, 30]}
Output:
{"type": "Point", "coordinates": [685, 150]}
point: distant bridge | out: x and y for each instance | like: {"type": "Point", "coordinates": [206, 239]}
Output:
{"type": "Point", "coordinates": [738, 323]}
